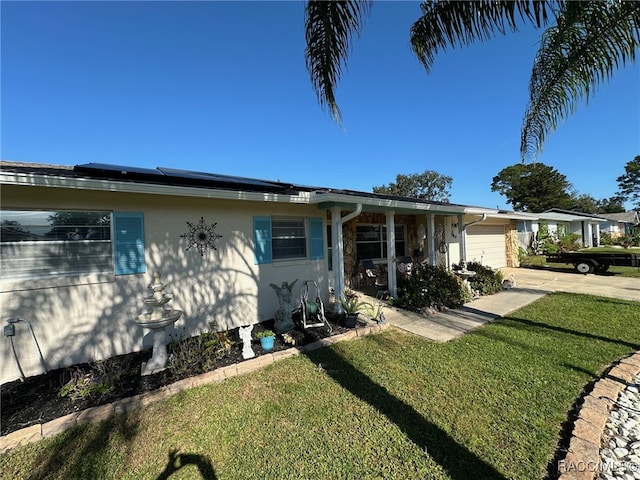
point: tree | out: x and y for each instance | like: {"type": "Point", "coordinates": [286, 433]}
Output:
{"type": "Point", "coordinates": [584, 203]}
{"type": "Point", "coordinates": [629, 183]}
{"type": "Point", "coordinates": [532, 187]}
{"type": "Point", "coordinates": [611, 205]}
{"type": "Point", "coordinates": [583, 46]}
{"type": "Point", "coordinates": [429, 185]}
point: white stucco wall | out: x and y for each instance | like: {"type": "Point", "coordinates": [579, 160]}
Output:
{"type": "Point", "coordinates": [92, 317]}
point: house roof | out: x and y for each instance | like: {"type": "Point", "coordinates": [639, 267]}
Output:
{"type": "Point", "coordinates": [169, 181]}
{"type": "Point", "coordinates": [623, 217]}
{"type": "Point", "coordinates": [569, 216]}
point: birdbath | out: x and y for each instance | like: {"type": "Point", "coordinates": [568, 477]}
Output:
{"type": "Point", "coordinates": [465, 274]}
{"type": "Point", "coordinates": [157, 319]}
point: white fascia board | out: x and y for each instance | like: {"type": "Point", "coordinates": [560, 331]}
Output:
{"type": "Point", "coordinates": [396, 204]}
{"type": "Point", "coordinates": [50, 181]}
{"type": "Point", "coordinates": [515, 216]}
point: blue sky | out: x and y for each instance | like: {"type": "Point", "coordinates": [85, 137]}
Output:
{"type": "Point", "coordinates": [222, 87]}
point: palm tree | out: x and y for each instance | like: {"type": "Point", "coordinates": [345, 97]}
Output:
{"type": "Point", "coordinates": [582, 45]}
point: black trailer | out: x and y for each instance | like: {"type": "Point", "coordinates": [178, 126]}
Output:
{"type": "Point", "coordinates": [586, 262]}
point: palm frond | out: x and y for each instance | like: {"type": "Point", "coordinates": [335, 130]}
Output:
{"type": "Point", "coordinates": [590, 41]}
{"type": "Point", "coordinates": [459, 23]}
{"type": "Point", "coordinates": [329, 27]}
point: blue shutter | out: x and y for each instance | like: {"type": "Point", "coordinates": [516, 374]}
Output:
{"type": "Point", "coordinates": [262, 239]}
{"type": "Point", "coordinates": [128, 243]}
{"type": "Point", "coordinates": [317, 240]}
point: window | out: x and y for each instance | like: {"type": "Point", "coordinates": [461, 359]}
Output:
{"type": "Point", "coordinates": [289, 238]}
{"type": "Point", "coordinates": [371, 241]}
{"type": "Point", "coordinates": [62, 243]}
{"type": "Point", "coordinates": [329, 248]}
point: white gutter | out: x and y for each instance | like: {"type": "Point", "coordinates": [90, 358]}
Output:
{"type": "Point", "coordinates": [463, 235]}
{"type": "Point", "coordinates": [338, 261]}
{"type": "Point", "coordinates": [51, 181]}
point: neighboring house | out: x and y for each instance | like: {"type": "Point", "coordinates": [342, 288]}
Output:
{"type": "Point", "coordinates": [80, 246]}
{"type": "Point", "coordinates": [560, 222]}
{"type": "Point", "coordinates": [619, 224]}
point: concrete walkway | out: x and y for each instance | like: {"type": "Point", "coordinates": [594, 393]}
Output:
{"type": "Point", "coordinates": [531, 285]}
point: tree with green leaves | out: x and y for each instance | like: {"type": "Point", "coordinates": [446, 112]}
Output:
{"type": "Point", "coordinates": [629, 183]}
{"type": "Point", "coordinates": [613, 204]}
{"type": "Point", "coordinates": [533, 187]}
{"type": "Point", "coordinates": [429, 185]}
{"type": "Point", "coordinates": [583, 43]}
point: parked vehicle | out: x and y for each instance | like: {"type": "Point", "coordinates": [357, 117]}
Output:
{"type": "Point", "coordinates": [586, 262]}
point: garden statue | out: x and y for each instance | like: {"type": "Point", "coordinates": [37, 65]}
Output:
{"type": "Point", "coordinates": [283, 317]}
{"type": "Point", "coordinates": [245, 336]}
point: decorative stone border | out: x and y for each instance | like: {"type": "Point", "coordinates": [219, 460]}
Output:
{"type": "Point", "coordinates": [39, 431]}
{"type": "Point", "coordinates": [582, 461]}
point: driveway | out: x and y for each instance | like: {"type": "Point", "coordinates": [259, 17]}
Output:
{"type": "Point", "coordinates": [591, 284]}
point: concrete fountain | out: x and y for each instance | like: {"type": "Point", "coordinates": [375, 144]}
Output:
{"type": "Point", "coordinates": [157, 319]}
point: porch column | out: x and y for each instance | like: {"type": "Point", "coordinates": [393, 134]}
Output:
{"type": "Point", "coordinates": [431, 238]}
{"type": "Point", "coordinates": [338, 251]}
{"type": "Point", "coordinates": [391, 253]}
{"type": "Point", "coordinates": [337, 221]}
{"type": "Point", "coordinates": [462, 238]}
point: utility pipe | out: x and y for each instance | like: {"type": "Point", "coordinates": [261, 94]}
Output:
{"type": "Point", "coordinates": [463, 237]}
{"type": "Point", "coordinates": [9, 331]}
{"type": "Point", "coordinates": [338, 261]}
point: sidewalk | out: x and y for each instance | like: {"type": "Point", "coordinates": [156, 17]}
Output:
{"type": "Point", "coordinates": [444, 326]}
{"type": "Point", "coordinates": [531, 285]}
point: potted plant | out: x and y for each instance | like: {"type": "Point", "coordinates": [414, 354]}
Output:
{"type": "Point", "coordinates": [266, 337]}
{"type": "Point", "coordinates": [351, 305]}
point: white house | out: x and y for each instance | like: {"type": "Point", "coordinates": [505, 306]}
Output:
{"type": "Point", "coordinates": [80, 246]}
{"type": "Point", "coordinates": [619, 224]}
{"type": "Point", "coordinates": [560, 222]}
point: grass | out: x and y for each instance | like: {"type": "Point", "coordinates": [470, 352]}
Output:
{"type": "Point", "coordinates": [489, 405]}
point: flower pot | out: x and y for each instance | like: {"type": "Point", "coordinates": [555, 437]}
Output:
{"type": "Point", "coordinates": [349, 321]}
{"type": "Point", "coordinates": [267, 343]}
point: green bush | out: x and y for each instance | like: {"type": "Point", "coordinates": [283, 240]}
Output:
{"type": "Point", "coordinates": [571, 242]}
{"type": "Point", "coordinates": [605, 239]}
{"type": "Point", "coordinates": [430, 286]}
{"type": "Point", "coordinates": [485, 281]}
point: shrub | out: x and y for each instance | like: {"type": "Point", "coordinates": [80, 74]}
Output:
{"type": "Point", "coordinates": [570, 242]}
{"type": "Point", "coordinates": [605, 238]}
{"type": "Point", "coordinates": [485, 281]}
{"type": "Point", "coordinates": [198, 354]}
{"type": "Point", "coordinates": [430, 286]}
{"type": "Point", "coordinates": [99, 380]}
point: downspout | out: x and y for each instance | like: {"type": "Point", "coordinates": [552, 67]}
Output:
{"type": "Point", "coordinates": [463, 237]}
{"type": "Point", "coordinates": [338, 262]}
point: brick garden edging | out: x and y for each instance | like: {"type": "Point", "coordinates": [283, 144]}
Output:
{"type": "Point", "coordinates": [39, 431]}
{"type": "Point", "coordinates": [582, 460]}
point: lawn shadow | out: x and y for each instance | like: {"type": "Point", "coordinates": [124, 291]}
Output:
{"type": "Point", "coordinates": [177, 461]}
{"type": "Point", "coordinates": [457, 460]}
{"type": "Point", "coordinates": [530, 323]}
{"type": "Point", "coordinates": [79, 451]}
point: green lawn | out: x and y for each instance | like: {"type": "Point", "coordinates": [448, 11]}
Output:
{"type": "Point", "coordinates": [489, 405]}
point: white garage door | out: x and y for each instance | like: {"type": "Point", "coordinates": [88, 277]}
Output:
{"type": "Point", "coordinates": [486, 244]}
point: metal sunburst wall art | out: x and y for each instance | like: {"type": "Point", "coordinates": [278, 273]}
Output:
{"type": "Point", "coordinates": [201, 236]}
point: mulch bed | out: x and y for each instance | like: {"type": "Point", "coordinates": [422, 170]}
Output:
{"type": "Point", "coordinates": [38, 400]}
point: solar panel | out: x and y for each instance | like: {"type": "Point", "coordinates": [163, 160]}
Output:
{"type": "Point", "coordinates": [220, 179]}
{"type": "Point", "coordinates": [120, 169]}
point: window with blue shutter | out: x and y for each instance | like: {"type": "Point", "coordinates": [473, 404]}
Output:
{"type": "Point", "coordinates": [316, 238]}
{"type": "Point", "coordinates": [128, 243]}
{"type": "Point", "coordinates": [262, 239]}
